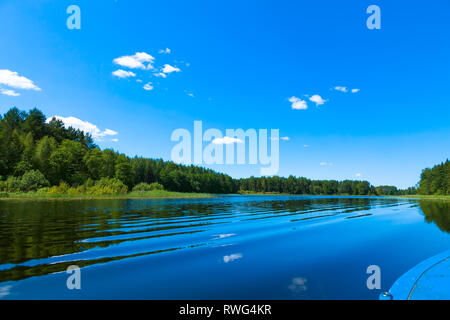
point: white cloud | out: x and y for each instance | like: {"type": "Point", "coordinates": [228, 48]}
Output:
{"type": "Point", "coordinates": [13, 80]}
{"type": "Point", "coordinates": [85, 126]}
{"type": "Point", "coordinates": [108, 132]}
{"type": "Point", "coordinates": [148, 86]}
{"type": "Point", "coordinates": [160, 74]}
{"type": "Point", "coordinates": [115, 140]}
{"type": "Point", "coordinates": [11, 93]}
{"type": "Point", "coordinates": [169, 69]}
{"type": "Point", "coordinates": [343, 89]}
{"type": "Point", "coordinates": [317, 100]}
{"type": "Point", "coordinates": [232, 257]}
{"type": "Point", "coordinates": [226, 140]}
{"type": "Point", "coordinates": [138, 80]}
{"type": "Point", "coordinates": [189, 93]}
{"type": "Point", "coordinates": [165, 51]}
{"type": "Point", "coordinates": [324, 163]}
{"type": "Point", "coordinates": [135, 61]}
{"type": "Point", "coordinates": [305, 146]}
{"type": "Point", "coordinates": [280, 138]}
{"type": "Point", "coordinates": [358, 175]}
{"type": "Point", "coordinates": [298, 103]}
{"type": "Point", "coordinates": [123, 74]}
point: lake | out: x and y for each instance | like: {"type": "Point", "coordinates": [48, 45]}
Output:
{"type": "Point", "coordinates": [228, 247]}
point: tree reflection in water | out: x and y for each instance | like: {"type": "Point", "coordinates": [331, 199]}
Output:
{"type": "Point", "coordinates": [437, 212]}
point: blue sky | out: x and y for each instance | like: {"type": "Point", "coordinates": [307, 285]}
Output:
{"type": "Point", "coordinates": [239, 64]}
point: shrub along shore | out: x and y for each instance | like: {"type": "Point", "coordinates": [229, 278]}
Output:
{"type": "Point", "coordinates": [159, 194]}
{"type": "Point", "coordinates": [426, 197]}
{"type": "Point", "coordinates": [105, 188]}
{"type": "Point", "coordinates": [164, 194]}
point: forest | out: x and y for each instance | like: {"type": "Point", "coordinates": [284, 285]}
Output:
{"type": "Point", "coordinates": [435, 181]}
{"type": "Point", "coordinates": [301, 185]}
{"type": "Point", "coordinates": [45, 156]}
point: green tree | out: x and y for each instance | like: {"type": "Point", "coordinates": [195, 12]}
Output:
{"type": "Point", "coordinates": [34, 123]}
{"type": "Point", "coordinates": [44, 149]}
{"type": "Point", "coordinates": [33, 180]}
{"type": "Point", "coordinates": [67, 162]}
{"type": "Point", "coordinates": [109, 163]}
{"type": "Point", "coordinates": [28, 148]}
{"type": "Point", "coordinates": [124, 171]}
{"type": "Point", "coordinates": [94, 163]}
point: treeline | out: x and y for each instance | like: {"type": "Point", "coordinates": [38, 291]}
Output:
{"type": "Point", "coordinates": [295, 185]}
{"type": "Point", "coordinates": [436, 181]}
{"type": "Point", "coordinates": [35, 154]}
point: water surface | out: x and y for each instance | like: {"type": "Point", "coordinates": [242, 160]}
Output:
{"type": "Point", "coordinates": [229, 247]}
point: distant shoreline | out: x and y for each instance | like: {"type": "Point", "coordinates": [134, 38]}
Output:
{"type": "Point", "coordinates": [416, 196]}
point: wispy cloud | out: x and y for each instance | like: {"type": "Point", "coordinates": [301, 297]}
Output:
{"type": "Point", "coordinates": [160, 74]}
{"type": "Point", "coordinates": [345, 89]}
{"type": "Point", "coordinates": [286, 138]}
{"type": "Point", "coordinates": [148, 86]}
{"type": "Point", "coordinates": [123, 74]}
{"type": "Point", "coordinates": [136, 61]}
{"type": "Point", "coordinates": [14, 80]}
{"type": "Point", "coordinates": [318, 100]}
{"type": "Point", "coordinates": [342, 89]}
{"type": "Point", "coordinates": [189, 93]}
{"type": "Point", "coordinates": [226, 140]}
{"type": "Point", "coordinates": [164, 51]}
{"type": "Point", "coordinates": [169, 69]}
{"type": "Point", "coordinates": [297, 103]}
{"type": "Point", "coordinates": [324, 163]}
{"type": "Point", "coordinates": [358, 175]}
{"type": "Point", "coordinates": [11, 93]}
{"type": "Point", "coordinates": [85, 126]}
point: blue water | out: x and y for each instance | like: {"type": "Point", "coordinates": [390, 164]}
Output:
{"type": "Point", "coordinates": [229, 247]}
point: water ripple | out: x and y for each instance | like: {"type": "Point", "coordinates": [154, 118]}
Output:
{"type": "Point", "coordinates": [36, 240]}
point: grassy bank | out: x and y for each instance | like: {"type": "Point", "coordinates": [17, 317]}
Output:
{"type": "Point", "coordinates": [253, 193]}
{"type": "Point", "coordinates": [154, 194]}
{"type": "Point", "coordinates": [425, 197]}
{"type": "Point", "coordinates": [163, 194]}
